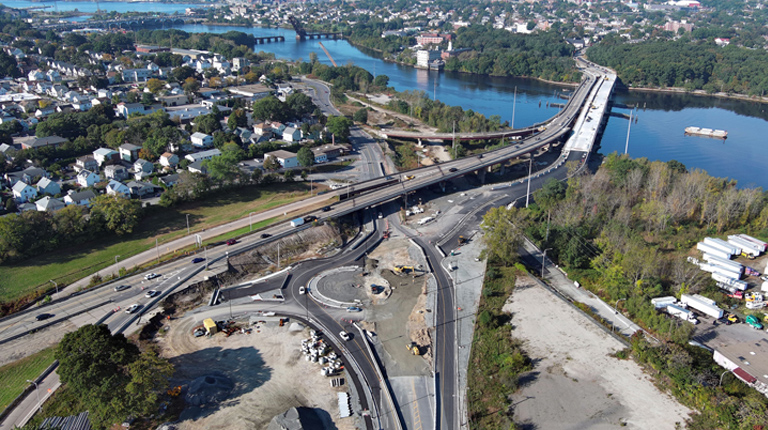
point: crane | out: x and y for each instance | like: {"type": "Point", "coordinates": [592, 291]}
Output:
{"type": "Point", "coordinates": [328, 54]}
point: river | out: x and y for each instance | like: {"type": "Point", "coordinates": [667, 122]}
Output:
{"type": "Point", "coordinates": [657, 135]}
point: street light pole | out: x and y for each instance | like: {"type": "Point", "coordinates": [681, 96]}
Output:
{"type": "Point", "coordinates": [55, 285]}
{"type": "Point", "coordinates": [116, 257]}
{"type": "Point", "coordinates": [250, 222]}
{"type": "Point", "coordinates": [543, 257]}
{"type": "Point", "coordinates": [187, 224]}
{"type": "Point", "coordinates": [37, 391]}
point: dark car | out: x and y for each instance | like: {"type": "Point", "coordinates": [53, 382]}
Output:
{"type": "Point", "coordinates": [198, 260]}
{"type": "Point", "coordinates": [122, 287]}
{"type": "Point", "coordinates": [43, 317]}
{"type": "Point", "coordinates": [480, 156]}
{"type": "Point", "coordinates": [231, 241]}
{"type": "Point", "coordinates": [326, 209]}
{"type": "Point", "coordinates": [452, 169]}
{"type": "Point", "coordinates": [265, 235]}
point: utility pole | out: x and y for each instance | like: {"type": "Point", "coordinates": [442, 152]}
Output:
{"type": "Point", "coordinates": [278, 255]}
{"type": "Point", "coordinates": [157, 251]}
{"type": "Point", "coordinates": [528, 193]}
{"type": "Point", "coordinates": [629, 127]}
{"type": "Point", "coordinates": [454, 140]}
{"type": "Point", "coordinates": [514, 103]}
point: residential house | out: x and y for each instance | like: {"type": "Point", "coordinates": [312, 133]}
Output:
{"type": "Point", "coordinates": [53, 76]}
{"type": "Point", "coordinates": [86, 178]}
{"type": "Point", "coordinates": [49, 204]}
{"type": "Point", "coordinates": [201, 140]}
{"type": "Point", "coordinates": [36, 75]}
{"type": "Point", "coordinates": [169, 159]}
{"type": "Point", "coordinates": [29, 175]}
{"type": "Point", "coordinates": [330, 151]}
{"type": "Point", "coordinates": [82, 198]}
{"type": "Point", "coordinates": [46, 185]}
{"type": "Point", "coordinates": [39, 142]}
{"type": "Point", "coordinates": [143, 168]}
{"type": "Point", "coordinates": [286, 159]}
{"type": "Point", "coordinates": [169, 180]}
{"type": "Point", "coordinates": [44, 112]}
{"type": "Point", "coordinates": [140, 189]}
{"type": "Point", "coordinates": [262, 129]}
{"type": "Point", "coordinates": [291, 134]}
{"type": "Point", "coordinates": [203, 155]}
{"type": "Point", "coordinates": [278, 128]}
{"type": "Point", "coordinates": [239, 62]}
{"type": "Point", "coordinates": [174, 100]}
{"type": "Point", "coordinates": [115, 188]}
{"type": "Point", "coordinates": [136, 75]}
{"type": "Point", "coordinates": [129, 152]}
{"type": "Point", "coordinates": [244, 134]}
{"type": "Point", "coordinates": [126, 109]}
{"type": "Point", "coordinates": [23, 192]}
{"type": "Point", "coordinates": [106, 155]}
{"type": "Point", "coordinates": [197, 167]}
{"type": "Point", "coordinates": [251, 92]}
{"type": "Point", "coordinates": [87, 162]}
{"type": "Point", "coordinates": [116, 172]}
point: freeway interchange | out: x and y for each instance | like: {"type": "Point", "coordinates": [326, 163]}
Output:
{"type": "Point", "coordinates": [361, 198]}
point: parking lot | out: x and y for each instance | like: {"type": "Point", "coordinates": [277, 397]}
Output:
{"type": "Point", "coordinates": [740, 343]}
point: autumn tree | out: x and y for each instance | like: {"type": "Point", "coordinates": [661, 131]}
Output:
{"type": "Point", "coordinates": [155, 85]}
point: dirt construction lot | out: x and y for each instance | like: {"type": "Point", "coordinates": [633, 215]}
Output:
{"type": "Point", "coordinates": [263, 374]}
{"type": "Point", "coordinates": [576, 383]}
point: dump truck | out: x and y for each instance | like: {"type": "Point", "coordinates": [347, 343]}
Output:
{"type": "Point", "coordinates": [705, 307]}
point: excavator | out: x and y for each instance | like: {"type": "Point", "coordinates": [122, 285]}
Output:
{"type": "Point", "coordinates": [413, 348]}
{"type": "Point", "coordinates": [404, 269]}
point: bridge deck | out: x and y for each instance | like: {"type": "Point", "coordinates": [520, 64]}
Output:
{"type": "Point", "coordinates": [588, 123]}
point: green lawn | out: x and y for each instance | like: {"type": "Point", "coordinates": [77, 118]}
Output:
{"type": "Point", "coordinates": [13, 377]}
{"type": "Point", "coordinates": [165, 224]}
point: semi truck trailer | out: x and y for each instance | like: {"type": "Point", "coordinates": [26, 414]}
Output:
{"type": "Point", "coordinates": [711, 250]}
{"type": "Point", "coordinates": [706, 308]}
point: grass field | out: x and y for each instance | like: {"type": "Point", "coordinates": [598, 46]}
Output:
{"type": "Point", "coordinates": [165, 224]}
{"type": "Point", "coordinates": [13, 377]}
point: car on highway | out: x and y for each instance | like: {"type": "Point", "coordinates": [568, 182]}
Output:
{"type": "Point", "coordinates": [354, 309]}
{"type": "Point", "coordinates": [231, 242]}
{"type": "Point", "coordinates": [344, 335]}
{"type": "Point", "coordinates": [452, 169]}
{"type": "Point", "coordinates": [265, 235]}
{"type": "Point", "coordinates": [198, 260]}
{"type": "Point", "coordinates": [151, 276]}
{"type": "Point", "coordinates": [132, 308]}
{"type": "Point", "coordinates": [43, 317]}
{"type": "Point", "coordinates": [151, 293]}
{"type": "Point", "coordinates": [122, 287]}
{"type": "Point", "coordinates": [326, 208]}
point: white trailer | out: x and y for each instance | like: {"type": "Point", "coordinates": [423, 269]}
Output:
{"type": "Point", "coordinates": [722, 245]}
{"type": "Point", "coordinates": [747, 247]}
{"type": "Point", "coordinates": [763, 245]}
{"type": "Point", "coordinates": [426, 220]}
{"type": "Point", "coordinates": [662, 302]}
{"type": "Point", "coordinates": [683, 314]}
{"type": "Point", "coordinates": [723, 262]}
{"type": "Point", "coordinates": [764, 287]}
{"type": "Point", "coordinates": [719, 277]}
{"type": "Point", "coordinates": [714, 268]}
{"type": "Point", "coordinates": [705, 299]}
{"type": "Point", "coordinates": [711, 250]}
{"type": "Point", "coordinates": [706, 308]}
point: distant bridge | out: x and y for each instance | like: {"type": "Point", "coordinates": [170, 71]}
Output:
{"type": "Point", "coordinates": [519, 133]}
{"type": "Point", "coordinates": [302, 34]}
{"type": "Point", "coordinates": [124, 23]}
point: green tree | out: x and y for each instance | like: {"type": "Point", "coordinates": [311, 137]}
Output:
{"type": "Point", "coordinates": [361, 115]}
{"type": "Point", "coordinates": [381, 81]}
{"type": "Point", "coordinates": [339, 126]}
{"type": "Point", "coordinates": [9, 66]}
{"type": "Point", "coordinates": [117, 214]}
{"type": "Point", "coordinates": [270, 163]}
{"type": "Point", "coordinates": [155, 85]}
{"type": "Point", "coordinates": [207, 124]}
{"type": "Point", "coordinates": [503, 234]}
{"type": "Point", "coordinates": [299, 105]}
{"type": "Point", "coordinates": [306, 157]}
{"type": "Point", "coordinates": [237, 119]}
{"type": "Point", "coordinates": [269, 108]}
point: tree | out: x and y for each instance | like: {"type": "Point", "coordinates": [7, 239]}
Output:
{"type": "Point", "coordinates": [117, 214]}
{"type": "Point", "coordinates": [237, 118]}
{"type": "Point", "coordinates": [271, 163]}
{"type": "Point", "coordinates": [299, 105]}
{"type": "Point", "coordinates": [306, 157]}
{"type": "Point", "coordinates": [155, 85]}
{"type": "Point", "coordinates": [381, 81]}
{"type": "Point", "coordinates": [361, 115]}
{"type": "Point", "coordinates": [207, 124]}
{"type": "Point", "coordinates": [190, 85]}
{"type": "Point", "coordinates": [147, 99]}
{"type": "Point", "coordinates": [9, 66]}
{"type": "Point", "coordinates": [339, 126]}
{"type": "Point", "coordinates": [503, 234]}
{"type": "Point", "coordinates": [269, 108]}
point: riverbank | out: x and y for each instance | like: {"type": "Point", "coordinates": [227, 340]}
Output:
{"type": "Point", "coordinates": [700, 93]}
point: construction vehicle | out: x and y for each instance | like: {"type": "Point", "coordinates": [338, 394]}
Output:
{"type": "Point", "coordinates": [409, 177]}
{"type": "Point", "coordinates": [754, 297]}
{"type": "Point", "coordinates": [462, 240]}
{"type": "Point", "coordinates": [175, 391]}
{"type": "Point", "coordinates": [733, 318]}
{"type": "Point", "coordinates": [413, 348]}
{"type": "Point", "coordinates": [404, 269]}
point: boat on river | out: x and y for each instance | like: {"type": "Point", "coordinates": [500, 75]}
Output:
{"type": "Point", "coordinates": [706, 132]}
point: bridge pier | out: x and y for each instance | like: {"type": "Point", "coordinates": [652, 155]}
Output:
{"type": "Point", "coordinates": [481, 175]}
{"type": "Point", "coordinates": [502, 169]}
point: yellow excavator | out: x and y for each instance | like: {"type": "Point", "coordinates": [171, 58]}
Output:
{"type": "Point", "coordinates": [413, 348]}
{"type": "Point", "coordinates": [404, 269]}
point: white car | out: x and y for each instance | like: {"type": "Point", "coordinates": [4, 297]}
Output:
{"type": "Point", "coordinates": [344, 335]}
{"type": "Point", "coordinates": [151, 293]}
{"type": "Point", "coordinates": [132, 308]}
{"type": "Point", "coordinates": [302, 290]}
{"type": "Point", "coordinates": [151, 276]}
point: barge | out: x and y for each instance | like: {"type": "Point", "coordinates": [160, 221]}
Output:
{"type": "Point", "coordinates": [706, 132]}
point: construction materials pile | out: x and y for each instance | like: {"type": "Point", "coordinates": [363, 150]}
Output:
{"type": "Point", "coordinates": [315, 349]}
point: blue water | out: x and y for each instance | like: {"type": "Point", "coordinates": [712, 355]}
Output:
{"type": "Point", "coordinates": [658, 134]}
{"type": "Point", "coordinates": [88, 6]}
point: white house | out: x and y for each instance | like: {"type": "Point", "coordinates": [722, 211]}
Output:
{"type": "Point", "coordinates": [203, 155]}
{"type": "Point", "coordinates": [136, 75]}
{"type": "Point", "coordinates": [49, 204]}
{"type": "Point", "coordinates": [129, 152]}
{"type": "Point", "coordinates": [116, 188]}
{"type": "Point", "coordinates": [86, 178]}
{"type": "Point", "coordinates": [201, 140]}
{"type": "Point", "coordinates": [116, 172]}
{"type": "Point", "coordinates": [169, 159]}
{"type": "Point", "coordinates": [46, 185]}
{"type": "Point", "coordinates": [143, 168]}
{"type": "Point", "coordinates": [285, 158]}
{"type": "Point", "coordinates": [104, 155]}
{"type": "Point", "coordinates": [82, 198]}
{"type": "Point", "coordinates": [291, 134]}
{"type": "Point", "coordinates": [23, 192]}
{"type": "Point", "coordinates": [36, 75]}
{"type": "Point", "coordinates": [87, 162]}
